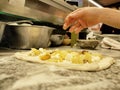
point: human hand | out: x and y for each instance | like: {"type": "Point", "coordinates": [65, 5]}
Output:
{"type": "Point", "coordinates": [82, 18]}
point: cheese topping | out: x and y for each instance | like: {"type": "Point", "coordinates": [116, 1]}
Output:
{"type": "Point", "coordinates": [75, 57]}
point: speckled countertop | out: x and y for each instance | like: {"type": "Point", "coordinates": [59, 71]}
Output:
{"type": "Point", "coordinates": [21, 75]}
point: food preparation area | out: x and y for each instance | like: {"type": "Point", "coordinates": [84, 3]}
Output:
{"type": "Point", "coordinates": [26, 24]}
{"type": "Point", "coordinates": [22, 75]}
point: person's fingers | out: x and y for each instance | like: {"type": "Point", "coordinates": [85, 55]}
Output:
{"type": "Point", "coordinates": [69, 20]}
{"type": "Point", "coordinates": [82, 23]}
{"type": "Point", "coordinates": [78, 26]}
{"type": "Point", "coordinates": [73, 27]}
{"type": "Point", "coordinates": [78, 29]}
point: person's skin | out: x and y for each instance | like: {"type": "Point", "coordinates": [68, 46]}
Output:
{"type": "Point", "coordinates": [107, 2]}
{"type": "Point", "coordinates": [89, 16]}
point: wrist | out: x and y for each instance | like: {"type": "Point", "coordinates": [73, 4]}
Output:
{"type": "Point", "coordinates": [105, 15]}
{"type": "Point", "coordinates": [102, 15]}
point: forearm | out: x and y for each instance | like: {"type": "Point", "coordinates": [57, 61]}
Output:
{"type": "Point", "coordinates": [107, 2]}
{"type": "Point", "coordinates": [110, 17]}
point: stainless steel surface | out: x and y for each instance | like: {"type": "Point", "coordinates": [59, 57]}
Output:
{"type": "Point", "coordinates": [19, 22]}
{"type": "Point", "coordinates": [26, 37]}
{"type": "Point", "coordinates": [47, 7]}
{"type": "Point", "coordinates": [87, 44]}
{"type": "Point", "coordinates": [17, 2]}
{"type": "Point", "coordinates": [29, 13]}
{"type": "Point", "coordinates": [95, 3]}
{"type": "Point", "coordinates": [56, 39]}
{"type": "Point", "coordinates": [91, 3]}
{"type": "Point", "coordinates": [61, 4]}
{"type": "Point", "coordinates": [41, 10]}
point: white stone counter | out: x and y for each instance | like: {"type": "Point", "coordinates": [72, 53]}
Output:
{"type": "Point", "coordinates": [21, 75]}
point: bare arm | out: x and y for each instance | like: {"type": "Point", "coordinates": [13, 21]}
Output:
{"type": "Point", "coordinates": [111, 17]}
{"type": "Point", "coordinates": [89, 16]}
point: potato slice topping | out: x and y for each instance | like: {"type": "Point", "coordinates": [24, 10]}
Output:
{"type": "Point", "coordinates": [45, 56]}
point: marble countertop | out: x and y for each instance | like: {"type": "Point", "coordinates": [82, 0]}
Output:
{"type": "Point", "coordinates": [21, 75]}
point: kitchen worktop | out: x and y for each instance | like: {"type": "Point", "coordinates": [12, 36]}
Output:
{"type": "Point", "coordinates": [21, 75]}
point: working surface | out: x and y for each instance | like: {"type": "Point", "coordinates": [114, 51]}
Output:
{"type": "Point", "coordinates": [21, 75]}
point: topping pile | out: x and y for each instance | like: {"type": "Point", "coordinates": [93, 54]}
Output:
{"type": "Point", "coordinates": [66, 56]}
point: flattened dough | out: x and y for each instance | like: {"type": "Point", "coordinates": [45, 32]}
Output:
{"type": "Point", "coordinates": [105, 63]}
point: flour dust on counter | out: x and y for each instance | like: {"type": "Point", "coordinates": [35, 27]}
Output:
{"type": "Point", "coordinates": [20, 75]}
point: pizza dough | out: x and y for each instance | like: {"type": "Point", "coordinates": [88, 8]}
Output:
{"type": "Point", "coordinates": [75, 60]}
